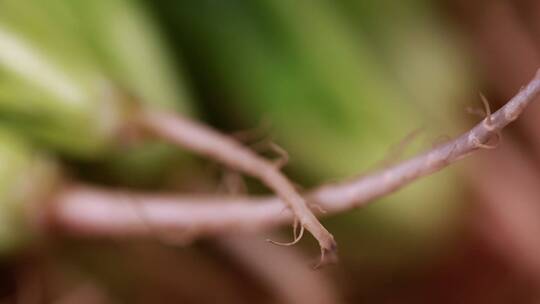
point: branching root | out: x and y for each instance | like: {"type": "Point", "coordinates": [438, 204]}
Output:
{"type": "Point", "coordinates": [203, 140]}
{"type": "Point", "coordinates": [296, 239]}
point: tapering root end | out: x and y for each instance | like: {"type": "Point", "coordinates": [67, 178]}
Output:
{"type": "Point", "coordinates": [328, 256]}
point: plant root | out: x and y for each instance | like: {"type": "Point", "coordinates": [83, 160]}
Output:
{"type": "Point", "coordinates": [296, 239]}
{"type": "Point", "coordinates": [488, 123]}
{"type": "Point", "coordinates": [203, 140]}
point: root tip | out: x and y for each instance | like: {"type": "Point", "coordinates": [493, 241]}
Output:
{"type": "Point", "coordinates": [329, 254]}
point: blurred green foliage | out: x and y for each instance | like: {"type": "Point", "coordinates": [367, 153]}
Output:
{"type": "Point", "coordinates": [341, 82]}
{"type": "Point", "coordinates": [25, 177]}
{"type": "Point", "coordinates": [66, 65]}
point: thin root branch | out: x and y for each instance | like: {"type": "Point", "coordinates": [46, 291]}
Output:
{"type": "Point", "coordinates": [268, 144]}
{"type": "Point", "coordinates": [319, 208]}
{"type": "Point", "coordinates": [283, 155]}
{"type": "Point", "coordinates": [478, 144]}
{"type": "Point", "coordinates": [487, 111]}
{"type": "Point", "coordinates": [295, 241]}
{"type": "Point", "coordinates": [295, 228]}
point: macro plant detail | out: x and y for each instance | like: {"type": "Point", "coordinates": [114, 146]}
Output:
{"type": "Point", "coordinates": [140, 137]}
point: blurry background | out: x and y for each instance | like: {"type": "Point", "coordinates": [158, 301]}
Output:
{"type": "Point", "coordinates": [346, 87]}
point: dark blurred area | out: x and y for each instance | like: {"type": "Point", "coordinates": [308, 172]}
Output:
{"type": "Point", "coordinates": [341, 86]}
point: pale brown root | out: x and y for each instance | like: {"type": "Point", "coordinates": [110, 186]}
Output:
{"type": "Point", "coordinates": [485, 112]}
{"type": "Point", "coordinates": [293, 242]}
{"type": "Point", "coordinates": [439, 140]}
{"type": "Point", "coordinates": [489, 146]}
{"type": "Point", "coordinates": [283, 155]}
{"type": "Point", "coordinates": [295, 228]}
{"type": "Point", "coordinates": [295, 234]}
{"type": "Point", "coordinates": [487, 108]}
{"type": "Point", "coordinates": [237, 185]}
{"type": "Point", "coordinates": [489, 125]}
{"type": "Point", "coordinates": [164, 236]}
{"type": "Point", "coordinates": [95, 212]}
{"type": "Point", "coordinates": [203, 140]}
